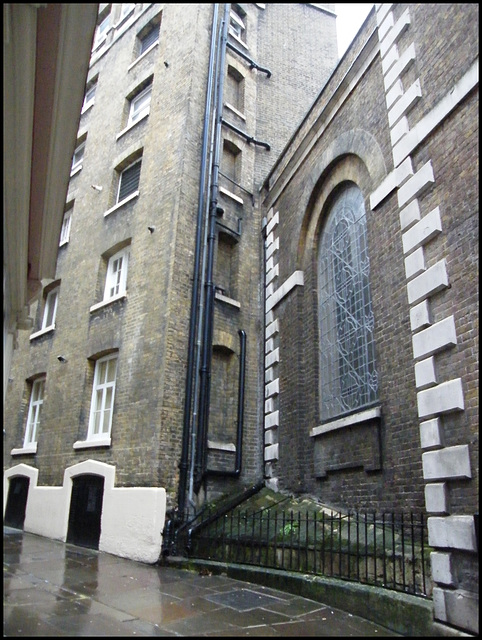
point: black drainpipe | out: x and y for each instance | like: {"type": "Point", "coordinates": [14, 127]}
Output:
{"type": "Point", "coordinates": [214, 211]}
{"type": "Point", "coordinates": [239, 431]}
{"type": "Point", "coordinates": [264, 232]}
{"type": "Point", "coordinates": [254, 65]}
{"type": "Point", "coordinates": [184, 464]}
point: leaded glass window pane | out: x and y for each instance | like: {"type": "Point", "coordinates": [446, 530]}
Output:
{"type": "Point", "coordinates": [348, 377]}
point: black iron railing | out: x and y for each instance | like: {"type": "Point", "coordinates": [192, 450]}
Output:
{"type": "Point", "coordinates": [384, 550]}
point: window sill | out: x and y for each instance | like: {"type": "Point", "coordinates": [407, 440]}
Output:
{"type": "Point", "coordinates": [124, 19]}
{"type": "Point", "coordinates": [104, 303]}
{"type": "Point", "coordinates": [86, 108]}
{"type": "Point", "coordinates": [221, 446]}
{"type": "Point", "coordinates": [122, 203]}
{"type": "Point", "coordinates": [348, 421]}
{"type": "Point", "coordinates": [226, 300]}
{"type": "Point", "coordinates": [231, 195]}
{"type": "Point", "coordinates": [238, 40]}
{"type": "Point", "coordinates": [131, 126]}
{"type": "Point", "coordinates": [42, 332]}
{"type": "Point", "coordinates": [143, 55]}
{"type": "Point", "coordinates": [102, 40]}
{"type": "Point", "coordinates": [29, 449]}
{"type": "Point", "coordinates": [234, 110]}
{"type": "Point", "coordinates": [75, 170]}
{"type": "Point", "coordinates": [88, 444]}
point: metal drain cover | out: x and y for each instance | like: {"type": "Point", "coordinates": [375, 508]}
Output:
{"type": "Point", "coordinates": [243, 599]}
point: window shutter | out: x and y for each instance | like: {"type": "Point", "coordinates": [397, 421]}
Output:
{"type": "Point", "coordinates": [129, 181]}
{"type": "Point", "coordinates": [150, 38]}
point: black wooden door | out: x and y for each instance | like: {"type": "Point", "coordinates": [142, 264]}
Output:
{"type": "Point", "coordinates": [86, 511]}
{"type": "Point", "coordinates": [17, 502]}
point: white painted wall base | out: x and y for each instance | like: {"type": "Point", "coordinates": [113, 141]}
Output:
{"type": "Point", "coordinates": [132, 518]}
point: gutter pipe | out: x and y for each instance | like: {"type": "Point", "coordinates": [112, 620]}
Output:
{"type": "Point", "coordinates": [254, 65]}
{"type": "Point", "coordinates": [245, 135]}
{"type": "Point", "coordinates": [183, 465]}
{"type": "Point", "coordinates": [204, 400]}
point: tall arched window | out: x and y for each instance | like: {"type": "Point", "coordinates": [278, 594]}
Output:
{"type": "Point", "coordinates": [348, 377]}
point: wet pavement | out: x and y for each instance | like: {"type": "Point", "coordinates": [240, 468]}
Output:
{"type": "Point", "coordinates": [55, 589]}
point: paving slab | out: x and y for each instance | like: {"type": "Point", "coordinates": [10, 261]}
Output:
{"type": "Point", "coordinates": [51, 588]}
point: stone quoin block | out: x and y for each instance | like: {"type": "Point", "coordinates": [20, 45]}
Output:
{"type": "Point", "coordinates": [443, 398]}
{"type": "Point", "coordinates": [431, 281]}
{"type": "Point", "coordinates": [415, 263]}
{"type": "Point", "coordinates": [431, 436]}
{"type": "Point", "coordinates": [442, 568]}
{"type": "Point", "coordinates": [452, 532]}
{"type": "Point", "coordinates": [409, 215]}
{"type": "Point", "coordinates": [423, 231]}
{"type": "Point", "coordinates": [425, 373]}
{"type": "Point", "coordinates": [420, 316]}
{"type": "Point", "coordinates": [436, 498]}
{"type": "Point", "coordinates": [435, 338]}
{"type": "Point", "coordinates": [447, 463]}
{"type": "Point", "coordinates": [418, 184]}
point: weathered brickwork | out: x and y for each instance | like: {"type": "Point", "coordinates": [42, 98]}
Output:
{"type": "Point", "coordinates": [397, 117]}
{"type": "Point", "coordinates": [148, 329]}
{"type": "Point", "coordinates": [422, 278]}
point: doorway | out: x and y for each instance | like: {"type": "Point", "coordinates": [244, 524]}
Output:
{"type": "Point", "coordinates": [86, 510]}
{"type": "Point", "coordinates": [16, 502]}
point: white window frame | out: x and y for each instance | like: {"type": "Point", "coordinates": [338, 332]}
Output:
{"type": "Point", "coordinates": [50, 309]}
{"type": "Point", "coordinates": [237, 27]}
{"type": "Point", "coordinates": [65, 231]}
{"type": "Point", "coordinates": [116, 276]}
{"type": "Point", "coordinates": [102, 402]}
{"type": "Point", "coordinates": [89, 97]}
{"type": "Point", "coordinates": [101, 31]}
{"type": "Point", "coordinates": [77, 162]}
{"type": "Point", "coordinates": [138, 110]}
{"type": "Point", "coordinates": [126, 9]}
{"type": "Point", "coordinates": [35, 408]}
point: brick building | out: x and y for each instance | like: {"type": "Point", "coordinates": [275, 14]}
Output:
{"type": "Point", "coordinates": [371, 368]}
{"type": "Point", "coordinates": [267, 271]}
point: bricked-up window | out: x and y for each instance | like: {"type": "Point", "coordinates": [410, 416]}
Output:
{"type": "Point", "coordinates": [234, 90]}
{"type": "Point", "coordinates": [116, 278]}
{"type": "Point", "coordinates": [102, 403]}
{"type": "Point", "coordinates": [231, 161]}
{"type": "Point", "coordinates": [34, 411]}
{"type": "Point", "coordinates": [129, 181]}
{"type": "Point", "coordinates": [348, 377]}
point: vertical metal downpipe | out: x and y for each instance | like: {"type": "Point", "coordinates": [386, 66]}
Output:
{"type": "Point", "coordinates": [193, 321]}
{"type": "Point", "coordinates": [264, 232]}
{"type": "Point", "coordinates": [204, 400]}
{"type": "Point", "coordinates": [241, 386]}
